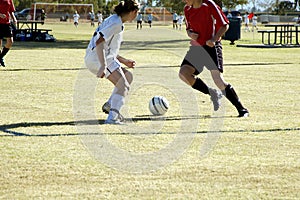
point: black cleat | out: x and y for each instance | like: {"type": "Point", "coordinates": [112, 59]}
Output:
{"type": "Point", "coordinates": [243, 113]}
{"type": "Point", "coordinates": [2, 62]}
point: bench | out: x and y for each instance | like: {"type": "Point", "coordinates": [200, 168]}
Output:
{"type": "Point", "coordinates": [263, 35]}
{"type": "Point", "coordinates": [285, 36]}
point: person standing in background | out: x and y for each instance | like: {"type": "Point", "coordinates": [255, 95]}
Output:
{"type": "Point", "coordinates": [139, 21]}
{"type": "Point", "coordinates": [100, 17]}
{"type": "Point", "coordinates": [7, 10]}
{"type": "Point", "coordinates": [76, 17]}
{"type": "Point", "coordinates": [180, 20]}
{"type": "Point", "coordinates": [150, 18]}
{"type": "Point", "coordinates": [175, 18]}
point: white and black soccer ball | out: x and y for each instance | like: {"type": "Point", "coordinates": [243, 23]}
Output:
{"type": "Point", "coordinates": [158, 105]}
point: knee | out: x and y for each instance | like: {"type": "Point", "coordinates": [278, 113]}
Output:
{"type": "Point", "coordinates": [186, 76]}
{"type": "Point", "coordinates": [123, 87]}
{"type": "Point", "coordinates": [129, 77]}
{"type": "Point", "coordinates": [183, 74]}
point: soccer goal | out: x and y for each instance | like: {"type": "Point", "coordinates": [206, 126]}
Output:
{"type": "Point", "coordinates": [62, 9]}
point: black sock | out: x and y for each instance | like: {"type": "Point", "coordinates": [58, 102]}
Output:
{"type": "Point", "coordinates": [200, 86]}
{"type": "Point", "coordinates": [233, 97]}
{"type": "Point", "coordinates": [4, 52]}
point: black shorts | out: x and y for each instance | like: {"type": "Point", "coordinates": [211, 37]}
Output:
{"type": "Point", "coordinates": [139, 21]}
{"type": "Point", "coordinates": [174, 21]}
{"type": "Point", "coordinates": [200, 56]}
{"type": "Point", "coordinates": [6, 31]}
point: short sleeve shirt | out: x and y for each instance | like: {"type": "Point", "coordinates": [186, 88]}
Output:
{"type": "Point", "coordinates": [112, 31]}
{"type": "Point", "coordinates": [6, 7]}
{"type": "Point", "coordinates": [205, 20]}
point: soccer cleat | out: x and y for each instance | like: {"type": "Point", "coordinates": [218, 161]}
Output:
{"type": "Point", "coordinates": [114, 117]}
{"type": "Point", "coordinates": [2, 62]}
{"type": "Point", "coordinates": [106, 107]}
{"type": "Point", "coordinates": [243, 113]}
{"type": "Point", "coordinates": [113, 122]}
{"type": "Point", "coordinates": [215, 97]}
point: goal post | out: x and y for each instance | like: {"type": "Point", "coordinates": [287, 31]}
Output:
{"type": "Point", "coordinates": [37, 4]}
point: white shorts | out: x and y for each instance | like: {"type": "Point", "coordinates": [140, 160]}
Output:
{"type": "Point", "coordinates": [91, 61]}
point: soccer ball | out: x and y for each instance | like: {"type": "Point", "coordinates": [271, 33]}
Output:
{"type": "Point", "coordinates": [158, 105]}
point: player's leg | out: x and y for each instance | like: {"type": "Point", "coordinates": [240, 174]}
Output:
{"type": "Point", "coordinates": [6, 48]}
{"type": "Point", "coordinates": [187, 75]}
{"type": "Point", "coordinates": [118, 78]}
{"type": "Point", "coordinates": [107, 105]}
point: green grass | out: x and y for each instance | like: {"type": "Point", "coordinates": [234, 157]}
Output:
{"type": "Point", "coordinates": [44, 155]}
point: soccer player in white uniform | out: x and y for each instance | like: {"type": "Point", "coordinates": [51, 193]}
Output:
{"type": "Point", "coordinates": [103, 60]}
{"type": "Point", "coordinates": [76, 17]}
{"type": "Point", "coordinates": [180, 20]}
{"type": "Point", "coordinates": [100, 17]}
{"type": "Point", "coordinates": [254, 22]}
{"type": "Point", "coordinates": [246, 21]}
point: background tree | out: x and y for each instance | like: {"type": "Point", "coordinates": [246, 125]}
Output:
{"type": "Point", "coordinates": [231, 4]}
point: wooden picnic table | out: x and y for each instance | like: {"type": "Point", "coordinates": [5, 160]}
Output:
{"type": "Point", "coordinates": [285, 33]}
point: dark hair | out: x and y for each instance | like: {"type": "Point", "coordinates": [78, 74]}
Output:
{"type": "Point", "coordinates": [126, 6]}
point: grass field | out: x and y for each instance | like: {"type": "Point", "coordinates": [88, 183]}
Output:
{"type": "Point", "coordinates": [54, 145]}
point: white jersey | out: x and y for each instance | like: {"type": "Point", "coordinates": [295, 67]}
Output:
{"type": "Point", "coordinates": [246, 19]}
{"type": "Point", "coordinates": [180, 19]}
{"type": "Point", "coordinates": [76, 17]}
{"type": "Point", "coordinates": [112, 31]}
{"type": "Point", "coordinates": [100, 18]}
{"type": "Point", "coordinates": [254, 20]}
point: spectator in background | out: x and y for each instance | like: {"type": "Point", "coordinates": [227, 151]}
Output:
{"type": "Point", "coordinates": [92, 18]}
{"type": "Point", "coordinates": [43, 16]}
{"type": "Point", "coordinates": [175, 18]}
{"type": "Point", "coordinates": [254, 22]}
{"type": "Point", "coordinates": [180, 20]}
{"type": "Point", "coordinates": [76, 17]}
{"type": "Point", "coordinates": [229, 15]}
{"type": "Point", "coordinates": [150, 18]}
{"type": "Point", "coordinates": [100, 17]}
{"type": "Point", "coordinates": [139, 21]}
{"type": "Point", "coordinates": [7, 10]}
{"type": "Point", "coordinates": [246, 21]}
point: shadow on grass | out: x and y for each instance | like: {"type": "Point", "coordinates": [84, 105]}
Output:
{"type": "Point", "coordinates": [60, 44]}
{"type": "Point", "coordinates": [8, 128]}
{"type": "Point", "coordinates": [47, 69]}
{"type": "Point", "coordinates": [82, 44]}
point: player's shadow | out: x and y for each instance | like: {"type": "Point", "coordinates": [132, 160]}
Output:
{"type": "Point", "coordinates": [9, 129]}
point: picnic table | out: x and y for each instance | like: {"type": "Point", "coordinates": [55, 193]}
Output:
{"type": "Point", "coordinates": [283, 34]}
{"type": "Point", "coordinates": [28, 30]}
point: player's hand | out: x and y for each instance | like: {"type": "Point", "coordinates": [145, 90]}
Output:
{"type": "Point", "coordinates": [101, 73]}
{"type": "Point", "coordinates": [192, 35]}
{"type": "Point", "coordinates": [2, 16]}
{"type": "Point", "coordinates": [210, 43]}
{"type": "Point", "coordinates": [129, 63]}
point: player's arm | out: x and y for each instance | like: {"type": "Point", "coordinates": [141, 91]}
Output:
{"type": "Point", "coordinates": [217, 36]}
{"type": "Point", "coordinates": [101, 56]}
{"type": "Point", "coordinates": [128, 62]}
{"type": "Point", "coordinates": [13, 17]}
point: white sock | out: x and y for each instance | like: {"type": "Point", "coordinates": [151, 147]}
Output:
{"type": "Point", "coordinates": [113, 92]}
{"type": "Point", "coordinates": [117, 101]}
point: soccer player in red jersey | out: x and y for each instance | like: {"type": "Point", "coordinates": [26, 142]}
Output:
{"type": "Point", "coordinates": [7, 10]}
{"type": "Point", "coordinates": [206, 23]}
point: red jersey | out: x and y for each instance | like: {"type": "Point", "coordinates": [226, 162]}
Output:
{"type": "Point", "coordinates": [205, 20]}
{"type": "Point", "coordinates": [6, 7]}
